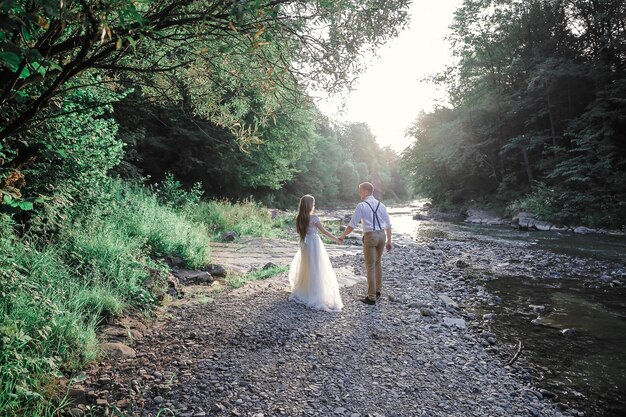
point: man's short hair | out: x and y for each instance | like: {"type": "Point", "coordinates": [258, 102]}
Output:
{"type": "Point", "coordinates": [367, 186]}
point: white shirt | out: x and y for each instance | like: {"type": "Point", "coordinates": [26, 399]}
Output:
{"type": "Point", "coordinates": [363, 213]}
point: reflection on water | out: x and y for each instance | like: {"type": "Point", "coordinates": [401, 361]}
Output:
{"type": "Point", "coordinates": [588, 368]}
{"type": "Point", "coordinates": [573, 311]}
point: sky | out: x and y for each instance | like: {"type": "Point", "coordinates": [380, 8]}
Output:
{"type": "Point", "coordinates": [389, 95]}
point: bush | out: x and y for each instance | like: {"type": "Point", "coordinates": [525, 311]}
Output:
{"type": "Point", "coordinates": [171, 192]}
{"type": "Point", "coordinates": [245, 218]}
{"type": "Point", "coordinates": [572, 207]}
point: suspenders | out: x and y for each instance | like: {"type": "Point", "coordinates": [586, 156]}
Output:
{"type": "Point", "coordinates": [374, 215]}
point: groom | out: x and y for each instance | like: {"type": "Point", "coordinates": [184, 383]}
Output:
{"type": "Point", "coordinates": [376, 236]}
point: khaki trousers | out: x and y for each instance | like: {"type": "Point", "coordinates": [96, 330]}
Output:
{"type": "Point", "coordinates": [373, 245]}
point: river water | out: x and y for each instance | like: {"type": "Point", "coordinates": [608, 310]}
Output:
{"type": "Point", "coordinates": [587, 370]}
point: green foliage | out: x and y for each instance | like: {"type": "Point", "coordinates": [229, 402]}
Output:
{"type": "Point", "coordinates": [41, 334]}
{"type": "Point", "coordinates": [136, 214]}
{"type": "Point", "coordinates": [54, 292]}
{"type": "Point", "coordinates": [256, 275]}
{"type": "Point", "coordinates": [350, 178]}
{"type": "Point", "coordinates": [571, 207]}
{"type": "Point", "coordinates": [245, 218]}
{"type": "Point", "coordinates": [538, 97]}
{"type": "Point", "coordinates": [99, 302]}
{"type": "Point", "coordinates": [332, 170]}
{"type": "Point", "coordinates": [71, 154]}
{"type": "Point", "coordinates": [171, 192]}
{"type": "Point", "coordinates": [194, 150]}
{"type": "Point", "coordinates": [236, 76]}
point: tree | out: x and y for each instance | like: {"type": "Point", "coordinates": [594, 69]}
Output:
{"type": "Point", "coordinates": [536, 95]}
{"type": "Point", "coordinates": [285, 43]}
{"type": "Point", "coordinates": [44, 43]}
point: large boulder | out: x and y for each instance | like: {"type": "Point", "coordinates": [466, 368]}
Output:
{"type": "Point", "coordinates": [542, 226]}
{"type": "Point", "coordinates": [523, 220]}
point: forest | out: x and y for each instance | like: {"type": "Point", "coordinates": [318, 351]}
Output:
{"type": "Point", "coordinates": [135, 130]}
{"type": "Point", "coordinates": [213, 94]}
{"type": "Point", "coordinates": [537, 114]}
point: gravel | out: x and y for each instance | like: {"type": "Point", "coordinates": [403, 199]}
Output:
{"type": "Point", "coordinates": [418, 352]}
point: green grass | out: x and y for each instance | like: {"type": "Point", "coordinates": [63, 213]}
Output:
{"type": "Point", "coordinates": [257, 275]}
{"type": "Point", "coordinates": [246, 218]}
{"type": "Point", "coordinates": [41, 333]}
{"type": "Point", "coordinates": [165, 230]}
{"type": "Point", "coordinates": [55, 292]}
{"type": "Point", "coordinates": [57, 288]}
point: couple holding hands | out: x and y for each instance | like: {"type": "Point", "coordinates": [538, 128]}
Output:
{"type": "Point", "coordinates": [311, 276]}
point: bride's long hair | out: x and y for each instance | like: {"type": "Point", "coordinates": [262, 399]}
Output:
{"type": "Point", "coordinates": [307, 202]}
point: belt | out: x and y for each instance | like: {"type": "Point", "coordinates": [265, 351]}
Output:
{"type": "Point", "coordinates": [373, 231]}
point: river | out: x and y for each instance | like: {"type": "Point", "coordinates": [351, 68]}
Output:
{"type": "Point", "coordinates": [586, 369]}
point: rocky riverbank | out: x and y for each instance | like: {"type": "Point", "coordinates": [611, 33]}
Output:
{"type": "Point", "coordinates": [421, 351]}
{"type": "Point", "coordinates": [540, 299]}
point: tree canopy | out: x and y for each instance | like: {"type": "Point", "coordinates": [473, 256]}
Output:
{"type": "Point", "coordinates": [537, 116]}
{"type": "Point", "coordinates": [240, 66]}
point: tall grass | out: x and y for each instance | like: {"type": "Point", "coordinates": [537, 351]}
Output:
{"type": "Point", "coordinates": [166, 231]}
{"type": "Point", "coordinates": [41, 335]}
{"type": "Point", "coordinates": [245, 218]}
{"type": "Point", "coordinates": [54, 294]}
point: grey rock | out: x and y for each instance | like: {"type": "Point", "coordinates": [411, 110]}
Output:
{"type": "Point", "coordinates": [448, 301]}
{"type": "Point", "coordinates": [252, 350]}
{"type": "Point", "coordinates": [117, 350]}
{"type": "Point", "coordinates": [427, 312]}
{"type": "Point", "coordinates": [606, 278]}
{"type": "Point", "coordinates": [216, 270]}
{"type": "Point", "coordinates": [454, 322]}
{"type": "Point", "coordinates": [461, 264]}
{"type": "Point", "coordinates": [229, 236]}
{"type": "Point", "coordinates": [76, 412]}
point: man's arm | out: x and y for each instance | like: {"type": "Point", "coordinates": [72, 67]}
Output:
{"type": "Point", "coordinates": [356, 218]}
{"type": "Point", "coordinates": [387, 229]}
{"type": "Point", "coordinates": [345, 233]}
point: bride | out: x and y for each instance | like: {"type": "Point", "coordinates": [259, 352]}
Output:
{"type": "Point", "coordinates": [311, 276]}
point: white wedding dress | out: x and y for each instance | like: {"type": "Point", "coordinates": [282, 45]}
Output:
{"type": "Point", "coordinates": [311, 276]}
